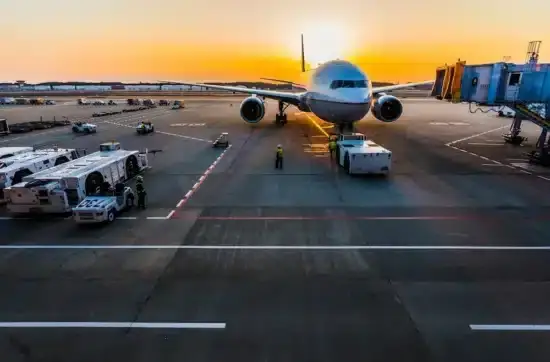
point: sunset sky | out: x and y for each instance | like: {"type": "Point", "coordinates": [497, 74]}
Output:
{"type": "Point", "coordinates": [396, 40]}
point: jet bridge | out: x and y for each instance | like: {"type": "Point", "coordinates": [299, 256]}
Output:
{"type": "Point", "coordinates": [524, 88]}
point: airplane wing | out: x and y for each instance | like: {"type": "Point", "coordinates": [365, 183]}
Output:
{"type": "Point", "coordinates": [399, 86]}
{"type": "Point", "coordinates": [285, 81]}
{"type": "Point", "coordinates": [287, 97]}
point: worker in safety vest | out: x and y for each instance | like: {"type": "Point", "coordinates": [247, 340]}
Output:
{"type": "Point", "coordinates": [331, 146]}
{"type": "Point", "coordinates": [141, 193]}
{"type": "Point", "coordinates": [279, 157]}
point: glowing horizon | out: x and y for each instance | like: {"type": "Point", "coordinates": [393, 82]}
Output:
{"type": "Point", "coordinates": [130, 40]}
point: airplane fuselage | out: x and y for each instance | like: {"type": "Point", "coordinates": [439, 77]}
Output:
{"type": "Point", "coordinates": [339, 92]}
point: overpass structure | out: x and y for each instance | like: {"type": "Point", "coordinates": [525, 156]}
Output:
{"type": "Point", "coordinates": [524, 88]}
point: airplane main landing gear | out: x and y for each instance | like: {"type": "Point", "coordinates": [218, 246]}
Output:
{"type": "Point", "coordinates": [280, 118]}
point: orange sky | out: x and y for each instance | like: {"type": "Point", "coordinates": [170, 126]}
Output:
{"type": "Point", "coordinates": [400, 40]}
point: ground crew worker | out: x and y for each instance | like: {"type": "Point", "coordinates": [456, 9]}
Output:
{"type": "Point", "coordinates": [140, 189]}
{"type": "Point", "coordinates": [331, 146]}
{"type": "Point", "coordinates": [279, 157]}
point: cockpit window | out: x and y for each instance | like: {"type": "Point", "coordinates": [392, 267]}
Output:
{"type": "Point", "coordinates": [348, 84]}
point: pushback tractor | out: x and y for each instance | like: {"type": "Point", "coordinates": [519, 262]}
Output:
{"type": "Point", "coordinates": [63, 187]}
{"type": "Point", "coordinates": [357, 155]}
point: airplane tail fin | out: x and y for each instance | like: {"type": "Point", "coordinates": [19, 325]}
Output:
{"type": "Point", "coordinates": [303, 56]}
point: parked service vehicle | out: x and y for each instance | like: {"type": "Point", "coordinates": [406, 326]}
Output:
{"type": "Point", "coordinates": [145, 127]}
{"type": "Point", "coordinates": [104, 208]}
{"type": "Point", "coordinates": [37, 101]}
{"type": "Point", "coordinates": [83, 102]}
{"type": "Point", "coordinates": [21, 127]}
{"type": "Point", "coordinates": [357, 155]}
{"type": "Point", "coordinates": [14, 169]}
{"type": "Point", "coordinates": [7, 100]}
{"type": "Point", "coordinates": [63, 187]}
{"type": "Point", "coordinates": [84, 127]}
{"type": "Point", "coordinates": [178, 104]}
{"type": "Point", "coordinates": [112, 103]}
{"type": "Point", "coordinates": [164, 102]}
{"type": "Point", "coordinates": [148, 102]}
{"type": "Point", "coordinates": [21, 101]}
{"type": "Point", "coordinates": [4, 128]}
{"type": "Point", "coordinates": [50, 102]}
{"type": "Point", "coordinates": [99, 103]}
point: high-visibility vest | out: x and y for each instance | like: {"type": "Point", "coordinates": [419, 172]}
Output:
{"type": "Point", "coordinates": [332, 145]}
{"type": "Point", "coordinates": [280, 152]}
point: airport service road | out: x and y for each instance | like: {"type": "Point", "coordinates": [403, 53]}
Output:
{"type": "Point", "coordinates": [434, 263]}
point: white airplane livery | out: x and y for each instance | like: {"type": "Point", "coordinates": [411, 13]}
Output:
{"type": "Point", "coordinates": [338, 92]}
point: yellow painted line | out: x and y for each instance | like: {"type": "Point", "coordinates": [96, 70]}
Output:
{"type": "Point", "coordinates": [317, 125]}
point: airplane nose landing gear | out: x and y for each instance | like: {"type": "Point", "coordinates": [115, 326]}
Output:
{"type": "Point", "coordinates": [345, 128]}
{"type": "Point", "coordinates": [280, 118]}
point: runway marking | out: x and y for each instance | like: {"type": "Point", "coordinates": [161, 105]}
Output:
{"type": "Point", "coordinates": [127, 218]}
{"type": "Point", "coordinates": [476, 135]}
{"type": "Point", "coordinates": [149, 325]}
{"type": "Point", "coordinates": [164, 133]}
{"type": "Point", "coordinates": [485, 144]}
{"type": "Point", "coordinates": [188, 124]}
{"type": "Point", "coordinates": [527, 172]}
{"type": "Point", "coordinates": [544, 178]}
{"type": "Point", "coordinates": [510, 327]}
{"type": "Point", "coordinates": [277, 247]}
{"type": "Point", "coordinates": [317, 125]}
{"type": "Point", "coordinates": [493, 164]}
{"type": "Point", "coordinates": [198, 184]}
{"type": "Point", "coordinates": [156, 217]}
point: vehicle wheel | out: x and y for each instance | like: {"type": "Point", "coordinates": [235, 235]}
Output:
{"type": "Point", "coordinates": [111, 216]}
{"type": "Point", "coordinates": [346, 162]}
{"type": "Point", "coordinates": [130, 202]}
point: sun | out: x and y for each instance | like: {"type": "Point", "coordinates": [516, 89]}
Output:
{"type": "Point", "coordinates": [324, 42]}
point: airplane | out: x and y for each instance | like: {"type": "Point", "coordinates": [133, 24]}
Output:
{"type": "Point", "coordinates": [338, 92]}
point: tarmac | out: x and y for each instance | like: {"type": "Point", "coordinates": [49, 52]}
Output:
{"type": "Point", "coordinates": [446, 259]}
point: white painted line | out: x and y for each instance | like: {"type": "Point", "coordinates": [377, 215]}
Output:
{"type": "Point", "coordinates": [483, 158]}
{"type": "Point", "coordinates": [127, 218]}
{"type": "Point", "coordinates": [517, 159]}
{"type": "Point", "coordinates": [509, 166]}
{"type": "Point", "coordinates": [493, 164]}
{"type": "Point", "coordinates": [476, 135]}
{"type": "Point", "coordinates": [14, 218]}
{"type": "Point", "coordinates": [201, 180]}
{"type": "Point", "coordinates": [278, 247]}
{"type": "Point", "coordinates": [544, 178]}
{"type": "Point", "coordinates": [156, 217]}
{"type": "Point", "coordinates": [485, 144]}
{"type": "Point", "coordinates": [527, 172]}
{"type": "Point", "coordinates": [510, 327]}
{"type": "Point", "coordinates": [112, 325]}
{"type": "Point", "coordinates": [170, 214]}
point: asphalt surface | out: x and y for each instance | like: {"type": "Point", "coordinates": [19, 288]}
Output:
{"type": "Point", "coordinates": [300, 264]}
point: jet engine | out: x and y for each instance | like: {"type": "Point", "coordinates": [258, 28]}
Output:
{"type": "Point", "coordinates": [387, 108]}
{"type": "Point", "coordinates": [252, 109]}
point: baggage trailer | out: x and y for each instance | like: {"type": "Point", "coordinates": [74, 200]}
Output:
{"type": "Point", "coordinates": [14, 169]}
{"type": "Point", "coordinates": [61, 188]}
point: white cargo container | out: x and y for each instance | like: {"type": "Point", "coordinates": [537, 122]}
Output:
{"type": "Point", "coordinates": [61, 188]}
